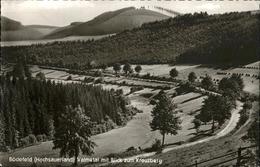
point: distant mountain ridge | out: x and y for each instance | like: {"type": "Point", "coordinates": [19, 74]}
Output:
{"type": "Point", "coordinates": [106, 23]}
{"type": "Point", "coordinates": [41, 26]}
{"type": "Point", "coordinates": [12, 30]}
{"type": "Point", "coordinates": [110, 22]}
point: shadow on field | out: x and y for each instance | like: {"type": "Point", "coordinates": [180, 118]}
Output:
{"type": "Point", "coordinates": [200, 135]}
{"type": "Point", "coordinates": [194, 112]}
{"type": "Point", "coordinates": [219, 67]}
{"type": "Point", "coordinates": [208, 131]}
{"type": "Point", "coordinates": [174, 144]}
{"type": "Point", "coordinates": [193, 98]}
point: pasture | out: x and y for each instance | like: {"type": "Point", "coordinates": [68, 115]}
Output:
{"type": "Point", "coordinates": [249, 75]}
{"type": "Point", "coordinates": [248, 72]}
{"type": "Point", "coordinates": [158, 69]}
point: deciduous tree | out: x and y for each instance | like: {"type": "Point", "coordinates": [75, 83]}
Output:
{"type": "Point", "coordinates": [215, 109]}
{"type": "Point", "coordinates": [207, 82]}
{"type": "Point", "coordinates": [165, 117]}
{"type": "Point", "coordinates": [192, 77]}
{"type": "Point", "coordinates": [174, 73]}
{"type": "Point", "coordinates": [127, 68]}
{"type": "Point", "coordinates": [40, 76]}
{"type": "Point", "coordinates": [138, 69]}
{"type": "Point", "coordinates": [197, 124]}
{"type": "Point", "coordinates": [231, 87]}
{"type": "Point", "coordinates": [73, 135]}
{"type": "Point", "coordinates": [116, 67]}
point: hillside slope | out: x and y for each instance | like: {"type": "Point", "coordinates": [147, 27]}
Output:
{"type": "Point", "coordinates": [44, 29]}
{"type": "Point", "coordinates": [9, 24]}
{"type": "Point", "coordinates": [109, 23]}
{"type": "Point", "coordinates": [198, 38]}
{"type": "Point", "coordinates": [12, 30]}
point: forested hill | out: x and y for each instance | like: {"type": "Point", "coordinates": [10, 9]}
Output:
{"type": "Point", "coordinates": [110, 23]}
{"type": "Point", "coordinates": [197, 38]}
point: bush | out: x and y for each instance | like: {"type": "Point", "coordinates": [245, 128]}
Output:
{"type": "Point", "coordinates": [123, 83]}
{"type": "Point", "coordinates": [153, 102]}
{"type": "Point", "coordinates": [173, 73]}
{"type": "Point", "coordinates": [185, 87]}
{"type": "Point", "coordinates": [247, 105]}
{"type": "Point", "coordinates": [197, 124]}
{"type": "Point", "coordinates": [98, 80]}
{"type": "Point", "coordinates": [40, 76]}
{"type": "Point", "coordinates": [131, 148]}
{"type": "Point", "coordinates": [174, 94]}
{"type": "Point", "coordinates": [136, 88]}
{"type": "Point", "coordinates": [157, 145]}
{"type": "Point", "coordinates": [24, 141]}
{"type": "Point", "coordinates": [32, 139]}
{"type": "Point", "coordinates": [5, 148]}
{"type": "Point", "coordinates": [98, 73]}
{"type": "Point", "coordinates": [41, 138]}
{"type": "Point", "coordinates": [248, 97]}
{"type": "Point", "coordinates": [243, 118]}
{"type": "Point", "coordinates": [69, 78]}
{"type": "Point", "coordinates": [146, 76]}
{"type": "Point", "coordinates": [88, 80]}
{"type": "Point", "coordinates": [119, 92]}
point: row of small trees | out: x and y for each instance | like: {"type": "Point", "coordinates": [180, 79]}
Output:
{"type": "Point", "coordinates": [127, 68]}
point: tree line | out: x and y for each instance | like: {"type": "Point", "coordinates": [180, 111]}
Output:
{"type": "Point", "coordinates": [35, 106]}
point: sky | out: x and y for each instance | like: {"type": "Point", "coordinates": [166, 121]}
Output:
{"type": "Point", "coordinates": [63, 12]}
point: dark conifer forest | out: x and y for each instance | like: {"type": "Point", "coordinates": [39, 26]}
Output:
{"type": "Point", "coordinates": [32, 107]}
{"type": "Point", "coordinates": [190, 38]}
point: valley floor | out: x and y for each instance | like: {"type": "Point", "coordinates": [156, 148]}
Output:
{"type": "Point", "coordinates": [137, 132]}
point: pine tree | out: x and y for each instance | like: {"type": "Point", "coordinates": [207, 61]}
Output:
{"type": "Point", "coordinates": [2, 122]}
{"type": "Point", "coordinates": [32, 106]}
{"type": "Point", "coordinates": [18, 70]}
